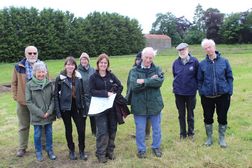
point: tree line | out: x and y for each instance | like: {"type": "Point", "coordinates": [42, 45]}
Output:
{"type": "Point", "coordinates": [211, 23]}
{"type": "Point", "coordinates": [58, 34]}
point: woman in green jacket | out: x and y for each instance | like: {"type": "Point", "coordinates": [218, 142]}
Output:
{"type": "Point", "coordinates": [40, 102]}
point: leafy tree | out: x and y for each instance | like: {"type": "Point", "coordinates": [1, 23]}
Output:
{"type": "Point", "coordinates": [213, 20]}
{"type": "Point", "coordinates": [112, 33]}
{"type": "Point", "coordinates": [231, 29]}
{"type": "Point", "coordinates": [166, 24]}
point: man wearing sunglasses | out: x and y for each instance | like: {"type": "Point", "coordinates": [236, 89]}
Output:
{"type": "Point", "coordinates": [21, 74]}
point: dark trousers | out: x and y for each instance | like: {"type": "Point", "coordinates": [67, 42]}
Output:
{"type": "Point", "coordinates": [80, 123]}
{"type": "Point", "coordinates": [106, 127]}
{"type": "Point", "coordinates": [186, 103]}
{"type": "Point", "coordinates": [221, 104]}
{"type": "Point", "coordinates": [92, 124]}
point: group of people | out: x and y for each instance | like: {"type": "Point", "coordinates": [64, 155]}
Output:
{"type": "Point", "coordinates": [40, 101]}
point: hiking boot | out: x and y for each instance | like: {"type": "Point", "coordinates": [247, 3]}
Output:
{"type": "Point", "coordinates": [83, 156]}
{"type": "Point", "coordinates": [111, 156]}
{"type": "Point", "coordinates": [102, 159]}
{"type": "Point", "coordinates": [51, 155]}
{"type": "Point", "coordinates": [141, 154]}
{"type": "Point", "coordinates": [39, 156]}
{"type": "Point", "coordinates": [157, 152]}
{"type": "Point", "coordinates": [72, 155]}
{"type": "Point", "coordinates": [21, 152]}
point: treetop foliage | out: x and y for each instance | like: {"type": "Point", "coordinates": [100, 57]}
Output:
{"type": "Point", "coordinates": [229, 28]}
{"type": "Point", "coordinates": [59, 34]}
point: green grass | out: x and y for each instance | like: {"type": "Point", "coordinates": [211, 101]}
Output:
{"type": "Point", "coordinates": [176, 153]}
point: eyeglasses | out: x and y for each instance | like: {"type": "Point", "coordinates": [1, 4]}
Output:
{"type": "Point", "coordinates": [30, 53]}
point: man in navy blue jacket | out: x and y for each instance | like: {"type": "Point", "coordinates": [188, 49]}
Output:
{"type": "Point", "coordinates": [215, 84]}
{"type": "Point", "coordinates": [184, 71]}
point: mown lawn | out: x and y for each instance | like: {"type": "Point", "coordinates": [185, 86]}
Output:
{"type": "Point", "coordinates": [176, 153]}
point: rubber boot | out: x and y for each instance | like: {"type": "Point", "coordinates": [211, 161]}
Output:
{"type": "Point", "coordinates": [209, 132]}
{"type": "Point", "coordinates": [222, 130]}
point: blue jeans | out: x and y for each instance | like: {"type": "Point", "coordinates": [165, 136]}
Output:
{"type": "Point", "coordinates": [38, 135]}
{"type": "Point", "coordinates": [140, 122]}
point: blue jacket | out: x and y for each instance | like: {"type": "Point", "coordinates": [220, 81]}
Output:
{"type": "Point", "coordinates": [215, 77]}
{"type": "Point", "coordinates": [185, 76]}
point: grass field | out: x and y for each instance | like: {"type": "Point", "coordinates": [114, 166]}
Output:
{"type": "Point", "coordinates": [176, 153]}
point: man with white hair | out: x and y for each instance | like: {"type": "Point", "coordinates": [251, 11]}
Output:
{"type": "Point", "coordinates": [146, 102]}
{"type": "Point", "coordinates": [21, 74]}
{"type": "Point", "coordinates": [215, 84]}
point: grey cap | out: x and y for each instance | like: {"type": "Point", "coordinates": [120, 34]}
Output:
{"type": "Point", "coordinates": [182, 46]}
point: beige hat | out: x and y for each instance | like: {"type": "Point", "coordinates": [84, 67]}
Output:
{"type": "Point", "coordinates": [182, 46]}
{"type": "Point", "coordinates": [85, 55]}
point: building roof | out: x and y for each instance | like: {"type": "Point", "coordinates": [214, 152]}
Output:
{"type": "Point", "coordinates": [157, 36]}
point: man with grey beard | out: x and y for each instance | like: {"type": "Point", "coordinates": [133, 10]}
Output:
{"type": "Point", "coordinates": [21, 74]}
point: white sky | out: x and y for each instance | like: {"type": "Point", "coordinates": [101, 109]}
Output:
{"type": "Point", "coordinates": [143, 10]}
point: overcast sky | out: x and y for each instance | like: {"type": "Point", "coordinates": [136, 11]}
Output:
{"type": "Point", "coordinates": [143, 10]}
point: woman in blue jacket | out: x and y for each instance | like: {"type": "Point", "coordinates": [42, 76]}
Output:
{"type": "Point", "coordinates": [215, 85]}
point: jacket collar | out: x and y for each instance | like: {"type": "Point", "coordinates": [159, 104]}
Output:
{"type": "Point", "coordinates": [63, 75]}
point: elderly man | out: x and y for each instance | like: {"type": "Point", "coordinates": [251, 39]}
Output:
{"type": "Point", "coordinates": [21, 74]}
{"type": "Point", "coordinates": [146, 102]}
{"type": "Point", "coordinates": [184, 70]}
{"type": "Point", "coordinates": [215, 84]}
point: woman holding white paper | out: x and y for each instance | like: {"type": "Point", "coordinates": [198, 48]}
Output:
{"type": "Point", "coordinates": [103, 83]}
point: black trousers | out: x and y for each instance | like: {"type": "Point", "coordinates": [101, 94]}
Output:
{"type": "Point", "coordinates": [186, 103]}
{"type": "Point", "coordinates": [92, 124]}
{"type": "Point", "coordinates": [106, 127]}
{"type": "Point", "coordinates": [80, 123]}
{"type": "Point", "coordinates": [221, 104]}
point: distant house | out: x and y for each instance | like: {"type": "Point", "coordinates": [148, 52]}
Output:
{"type": "Point", "coordinates": [157, 41]}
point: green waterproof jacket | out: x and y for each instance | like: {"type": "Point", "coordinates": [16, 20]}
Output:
{"type": "Point", "coordinates": [40, 100]}
{"type": "Point", "coordinates": [146, 98]}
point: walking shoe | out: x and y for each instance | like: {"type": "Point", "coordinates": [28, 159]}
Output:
{"type": "Point", "coordinates": [21, 152]}
{"type": "Point", "coordinates": [111, 156]}
{"type": "Point", "coordinates": [102, 159]}
{"type": "Point", "coordinates": [72, 155]}
{"type": "Point", "coordinates": [157, 152]}
{"type": "Point", "coordinates": [83, 156]}
{"type": "Point", "coordinates": [39, 156]}
{"type": "Point", "coordinates": [51, 155]}
{"type": "Point", "coordinates": [141, 154]}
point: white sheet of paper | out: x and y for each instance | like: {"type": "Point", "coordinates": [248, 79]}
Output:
{"type": "Point", "coordinates": [100, 104]}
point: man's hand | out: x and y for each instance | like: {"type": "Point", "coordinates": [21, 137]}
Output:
{"type": "Point", "coordinates": [140, 81]}
{"type": "Point", "coordinates": [154, 77]}
{"type": "Point", "coordinates": [45, 115]}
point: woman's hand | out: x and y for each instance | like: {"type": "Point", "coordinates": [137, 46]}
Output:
{"type": "Point", "coordinates": [110, 94]}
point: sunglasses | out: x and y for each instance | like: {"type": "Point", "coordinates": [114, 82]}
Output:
{"type": "Point", "coordinates": [30, 53]}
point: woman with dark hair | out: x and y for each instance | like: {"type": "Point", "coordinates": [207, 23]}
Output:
{"type": "Point", "coordinates": [70, 103]}
{"type": "Point", "coordinates": [103, 83]}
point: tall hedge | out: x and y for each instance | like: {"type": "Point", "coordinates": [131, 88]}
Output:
{"type": "Point", "coordinates": [58, 34]}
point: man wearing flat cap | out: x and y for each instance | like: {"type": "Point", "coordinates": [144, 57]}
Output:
{"type": "Point", "coordinates": [184, 71]}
